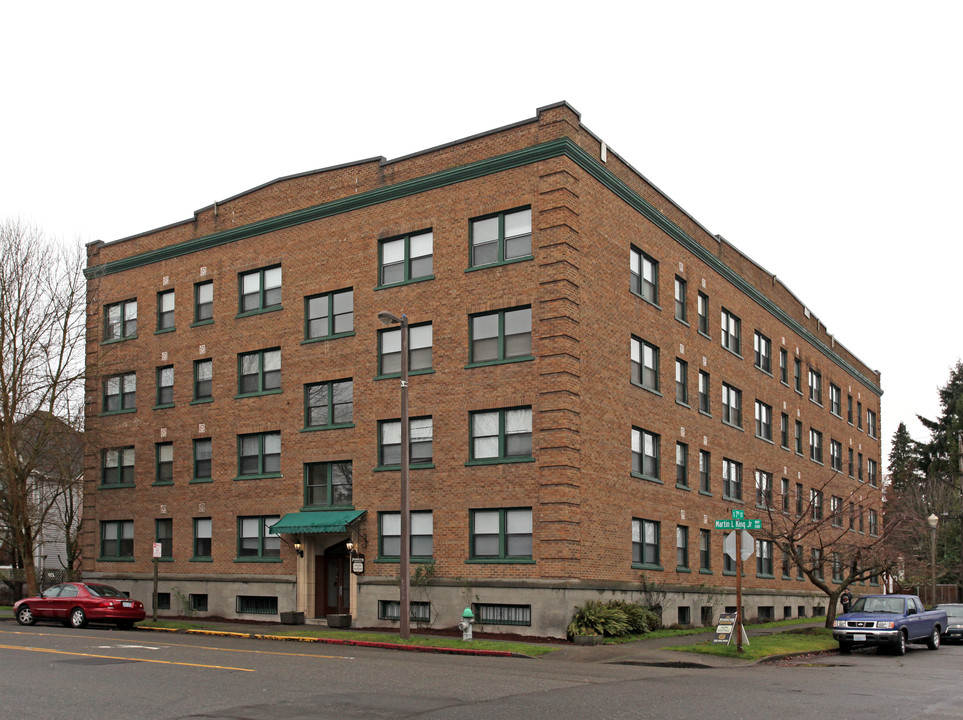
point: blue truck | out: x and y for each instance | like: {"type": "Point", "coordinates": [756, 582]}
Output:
{"type": "Point", "coordinates": [888, 621]}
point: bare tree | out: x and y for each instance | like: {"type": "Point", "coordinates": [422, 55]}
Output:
{"type": "Point", "coordinates": [42, 322]}
{"type": "Point", "coordinates": [837, 534]}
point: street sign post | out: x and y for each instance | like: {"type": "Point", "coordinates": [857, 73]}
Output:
{"type": "Point", "coordinates": [739, 524]}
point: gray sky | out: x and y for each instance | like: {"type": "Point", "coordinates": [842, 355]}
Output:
{"type": "Point", "coordinates": [824, 140]}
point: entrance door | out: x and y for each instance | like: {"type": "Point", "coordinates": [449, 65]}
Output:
{"type": "Point", "coordinates": [332, 582]}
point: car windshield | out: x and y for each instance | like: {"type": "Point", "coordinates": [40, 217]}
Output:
{"type": "Point", "coordinates": [105, 591]}
{"type": "Point", "coordinates": [878, 605]}
{"type": "Point", "coordinates": [953, 611]}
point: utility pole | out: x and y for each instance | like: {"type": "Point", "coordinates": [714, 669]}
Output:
{"type": "Point", "coordinates": [959, 462]}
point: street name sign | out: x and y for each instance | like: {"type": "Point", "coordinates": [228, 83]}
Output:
{"type": "Point", "coordinates": [738, 524]}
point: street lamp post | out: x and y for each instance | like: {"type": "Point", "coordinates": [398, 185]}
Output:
{"type": "Point", "coordinates": [933, 521]}
{"type": "Point", "coordinates": [404, 628]}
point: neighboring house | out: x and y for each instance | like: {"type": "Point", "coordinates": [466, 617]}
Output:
{"type": "Point", "coordinates": [595, 379]}
{"type": "Point", "coordinates": [56, 494]}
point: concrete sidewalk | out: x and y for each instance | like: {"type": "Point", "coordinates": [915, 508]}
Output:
{"type": "Point", "coordinates": [640, 652]}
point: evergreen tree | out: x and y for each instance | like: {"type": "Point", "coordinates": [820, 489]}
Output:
{"type": "Point", "coordinates": [903, 459]}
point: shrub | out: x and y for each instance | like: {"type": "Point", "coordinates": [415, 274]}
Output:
{"type": "Point", "coordinates": [614, 618]}
{"type": "Point", "coordinates": [639, 618]}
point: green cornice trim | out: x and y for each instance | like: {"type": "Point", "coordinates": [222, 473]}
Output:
{"type": "Point", "coordinates": [561, 147]}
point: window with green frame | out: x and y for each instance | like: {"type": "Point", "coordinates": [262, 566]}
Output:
{"type": "Point", "coordinates": [645, 543]}
{"type": "Point", "coordinates": [203, 380]}
{"type": "Point", "coordinates": [255, 541]}
{"type": "Point", "coordinates": [503, 237]}
{"type": "Point", "coordinates": [120, 393]}
{"type": "Point", "coordinates": [165, 311]}
{"type": "Point", "coordinates": [420, 535]}
{"type": "Point", "coordinates": [259, 372]}
{"type": "Point", "coordinates": [259, 455]}
{"type": "Point", "coordinates": [120, 320]}
{"type": "Point", "coordinates": [328, 484]}
{"type": "Point", "coordinates": [202, 460]}
{"type": "Point", "coordinates": [329, 404]}
{"type": "Point", "coordinates": [116, 539]}
{"type": "Point", "coordinates": [500, 336]}
{"type": "Point", "coordinates": [202, 538]}
{"type": "Point", "coordinates": [164, 534]}
{"type": "Point", "coordinates": [259, 290]}
{"type": "Point", "coordinates": [501, 435]}
{"type": "Point", "coordinates": [419, 350]}
{"type": "Point", "coordinates": [165, 386]}
{"type": "Point", "coordinates": [204, 302]}
{"type": "Point", "coordinates": [164, 466]}
{"type": "Point", "coordinates": [329, 315]}
{"type": "Point", "coordinates": [419, 442]}
{"type": "Point", "coordinates": [502, 534]}
{"type": "Point", "coordinates": [117, 467]}
{"type": "Point", "coordinates": [406, 258]}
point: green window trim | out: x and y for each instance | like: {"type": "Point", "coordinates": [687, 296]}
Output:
{"type": "Point", "coordinates": [119, 393]}
{"type": "Point", "coordinates": [267, 548]}
{"type": "Point", "coordinates": [329, 404]}
{"type": "Point", "coordinates": [203, 401]}
{"type": "Point", "coordinates": [418, 351]}
{"type": "Point", "coordinates": [121, 533]}
{"type": "Point", "coordinates": [160, 538]}
{"type": "Point", "coordinates": [267, 299]}
{"type": "Point", "coordinates": [321, 489]}
{"type": "Point", "coordinates": [116, 412]}
{"type": "Point", "coordinates": [250, 313]}
{"type": "Point", "coordinates": [411, 373]}
{"type": "Point", "coordinates": [200, 314]}
{"type": "Point", "coordinates": [406, 262]}
{"type": "Point", "coordinates": [265, 460]}
{"type": "Point", "coordinates": [645, 566]}
{"type": "Point", "coordinates": [648, 478]}
{"type": "Point", "coordinates": [502, 437]}
{"type": "Point", "coordinates": [338, 322]}
{"type": "Point", "coordinates": [513, 261]}
{"type": "Point", "coordinates": [165, 318]}
{"type": "Point", "coordinates": [501, 242]}
{"type": "Point", "coordinates": [503, 536]}
{"type": "Point", "coordinates": [508, 347]}
{"type": "Point", "coordinates": [124, 325]}
{"type": "Point", "coordinates": [264, 378]}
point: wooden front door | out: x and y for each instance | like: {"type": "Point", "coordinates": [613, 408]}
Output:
{"type": "Point", "coordinates": [332, 590]}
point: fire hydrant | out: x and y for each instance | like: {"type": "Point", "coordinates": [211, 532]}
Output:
{"type": "Point", "coordinates": [467, 620]}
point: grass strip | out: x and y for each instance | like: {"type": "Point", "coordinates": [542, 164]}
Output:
{"type": "Point", "coordinates": [764, 646]}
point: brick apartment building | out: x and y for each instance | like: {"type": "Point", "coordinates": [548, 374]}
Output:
{"type": "Point", "coordinates": [595, 378]}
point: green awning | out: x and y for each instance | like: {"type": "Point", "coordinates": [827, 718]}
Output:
{"type": "Point", "coordinates": [322, 521]}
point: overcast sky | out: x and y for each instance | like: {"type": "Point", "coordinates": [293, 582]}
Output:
{"type": "Point", "coordinates": [822, 139]}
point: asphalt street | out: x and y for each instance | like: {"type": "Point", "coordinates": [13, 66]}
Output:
{"type": "Point", "coordinates": [49, 671]}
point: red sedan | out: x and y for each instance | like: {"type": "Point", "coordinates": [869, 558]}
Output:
{"type": "Point", "coordinates": [75, 603]}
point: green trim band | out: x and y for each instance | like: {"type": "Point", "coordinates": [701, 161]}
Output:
{"type": "Point", "coordinates": [560, 147]}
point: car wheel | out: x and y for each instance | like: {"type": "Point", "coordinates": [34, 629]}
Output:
{"type": "Point", "coordinates": [934, 642]}
{"type": "Point", "coordinates": [900, 647]}
{"type": "Point", "coordinates": [25, 615]}
{"type": "Point", "coordinates": [845, 648]}
{"type": "Point", "coordinates": [78, 618]}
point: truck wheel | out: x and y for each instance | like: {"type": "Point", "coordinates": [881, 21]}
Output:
{"type": "Point", "coordinates": [900, 647]}
{"type": "Point", "coordinates": [934, 640]}
{"type": "Point", "coordinates": [845, 647]}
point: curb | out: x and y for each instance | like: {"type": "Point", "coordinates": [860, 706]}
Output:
{"type": "Point", "coordinates": [335, 641]}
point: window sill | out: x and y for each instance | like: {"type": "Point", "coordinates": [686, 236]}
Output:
{"type": "Point", "coordinates": [785, 447]}
{"type": "Point", "coordinates": [201, 559]}
{"type": "Point", "coordinates": [241, 396]}
{"type": "Point", "coordinates": [164, 483]}
{"type": "Point", "coordinates": [117, 486]}
{"type": "Point", "coordinates": [396, 468]}
{"type": "Point", "coordinates": [318, 428]}
{"type": "Point", "coordinates": [703, 571]}
{"type": "Point", "coordinates": [729, 498]}
{"type": "Point", "coordinates": [201, 401]}
{"type": "Point", "coordinates": [389, 560]}
{"type": "Point", "coordinates": [115, 559]}
{"type": "Point", "coordinates": [500, 263]}
{"type": "Point", "coordinates": [683, 321]}
{"type": "Point", "coordinates": [766, 576]}
{"type": "Point", "coordinates": [259, 311]}
{"type": "Point", "coordinates": [646, 566]}
{"type": "Point", "coordinates": [411, 373]}
{"type": "Point", "coordinates": [164, 406]}
{"type": "Point", "coordinates": [680, 569]}
{"type": "Point", "coordinates": [706, 493]}
{"type": "Point", "coordinates": [134, 337]}
{"type": "Point", "coordinates": [336, 336]}
{"type": "Point", "coordinates": [815, 402]}
{"type": "Point", "coordinates": [729, 350]}
{"type": "Point", "coordinates": [683, 403]}
{"type": "Point", "coordinates": [706, 335]}
{"type": "Point", "coordinates": [654, 391]}
{"type": "Point", "coordinates": [108, 413]}
{"type": "Point", "coordinates": [316, 508]}
{"type": "Point", "coordinates": [410, 281]}
{"type": "Point", "coordinates": [706, 413]}
{"type": "Point", "coordinates": [264, 476]}
{"type": "Point", "coordinates": [500, 561]}
{"type": "Point", "coordinates": [644, 299]}
{"type": "Point", "coordinates": [195, 481]}
{"type": "Point", "coordinates": [164, 559]}
{"type": "Point", "coordinates": [257, 560]}
{"type": "Point", "coordinates": [819, 462]}
{"type": "Point", "coordinates": [734, 427]}
{"type": "Point", "coordinates": [649, 478]}
{"type": "Point", "coordinates": [765, 439]}
{"type": "Point", "coordinates": [161, 331]}
{"type": "Point", "coordinates": [679, 486]}
{"type": "Point", "coordinates": [784, 382]}
{"type": "Point", "coordinates": [505, 361]}
{"type": "Point", "coordinates": [201, 323]}
{"type": "Point", "coordinates": [499, 461]}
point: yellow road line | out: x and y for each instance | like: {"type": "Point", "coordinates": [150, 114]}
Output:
{"type": "Point", "coordinates": [189, 645]}
{"type": "Point", "coordinates": [114, 657]}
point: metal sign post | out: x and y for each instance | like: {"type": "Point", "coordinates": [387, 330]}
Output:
{"type": "Point", "coordinates": [157, 553]}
